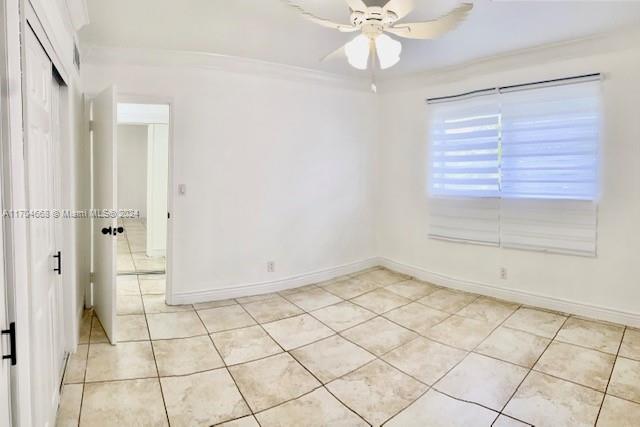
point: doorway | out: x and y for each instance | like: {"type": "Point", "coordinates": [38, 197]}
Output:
{"type": "Point", "coordinates": [142, 190]}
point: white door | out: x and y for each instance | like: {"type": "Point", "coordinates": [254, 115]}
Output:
{"type": "Point", "coordinates": [104, 200]}
{"type": "Point", "coordinates": [47, 331]}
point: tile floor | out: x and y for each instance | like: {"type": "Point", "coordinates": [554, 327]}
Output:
{"type": "Point", "coordinates": [131, 249]}
{"type": "Point", "coordinates": [366, 349]}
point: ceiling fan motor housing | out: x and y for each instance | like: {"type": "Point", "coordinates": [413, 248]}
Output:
{"type": "Point", "coordinates": [373, 18]}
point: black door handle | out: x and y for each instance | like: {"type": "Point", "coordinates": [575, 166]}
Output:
{"type": "Point", "coordinates": [112, 231]}
{"type": "Point", "coordinates": [59, 267]}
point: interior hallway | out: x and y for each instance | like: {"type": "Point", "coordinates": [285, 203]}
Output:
{"type": "Point", "coordinates": [131, 250]}
{"type": "Point", "coordinates": [370, 348]}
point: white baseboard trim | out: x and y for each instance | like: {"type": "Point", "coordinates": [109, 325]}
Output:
{"type": "Point", "coordinates": [522, 297]}
{"type": "Point", "coordinates": [272, 285]}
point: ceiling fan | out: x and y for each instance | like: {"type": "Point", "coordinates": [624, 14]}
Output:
{"type": "Point", "coordinates": [374, 21]}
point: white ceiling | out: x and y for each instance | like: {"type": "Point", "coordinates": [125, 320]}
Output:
{"type": "Point", "coordinates": [268, 30]}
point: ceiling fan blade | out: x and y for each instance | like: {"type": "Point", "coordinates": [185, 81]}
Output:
{"type": "Point", "coordinates": [435, 28]}
{"type": "Point", "coordinates": [400, 7]}
{"type": "Point", "coordinates": [345, 28]}
{"type": "Point", "coordinates": [339, 53]}
{"type": "Point", "coordinates": [357, 5]}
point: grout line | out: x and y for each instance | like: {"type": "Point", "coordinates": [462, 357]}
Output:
{"type": "Point", "coordinates": [244, 399]}
{"type": "Point", "coordinates": [613, 366]}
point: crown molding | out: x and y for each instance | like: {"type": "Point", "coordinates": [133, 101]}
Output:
{"type": "Point", "coordinates": [98, 55]}
{"type": "Point", "coordinates": [596, 44]}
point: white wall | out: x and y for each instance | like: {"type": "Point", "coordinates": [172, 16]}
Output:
{"type": "Point", "coordinates": [132, 168]}
{"type": "Point", "coordinates": [276, 169]}
{"type": "Point", "coordinates": [609, 281]}
{"type": "Point", "coordinates": [157, 184]}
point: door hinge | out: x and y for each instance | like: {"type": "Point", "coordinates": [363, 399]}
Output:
{"type": "Point", "coordinates": [91, 125]}
{"type": "Point", "coordinates": [92, 277]}
{"type": "Point", "coordinates": [12, 344]}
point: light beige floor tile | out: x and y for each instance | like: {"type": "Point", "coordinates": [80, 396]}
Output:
{"type": "Point", "coordinates": [132, 327]}
{"type": "Point", "coordinates": [380, 301]}
{"type": "Point", "coordinates": [313, 299]}
{"type": "Point", "coordinates": [412, 289]}
{"type": "Point", "coordinates": [350, 287]}
{"type": "Point", "coordinates": [437, 410]}
{"type": "Point", "coordinates": [97, 332]}
{"type": "Point", "coordinates": [245, 344]}
{"type": "Point", "coordinates": [545, 401]}
{"type": "Point", "coordinates": [331, 357]}
{"type": "Point", "coordinates": [631, 344]}
{"type": "Point", "coordinates": [537, 322]}
{"type": "Point", "coordinates": [297, 331]}
{"type": "Point", "coordinates": [202, 399]}
{"type": "Point", "coordinates": [126, 360]}
{"type": "Point", "coordinates": [512, 345]}
{"type": "Point", "coordinates": [76, 365]}
{"type": "Point", "coordinates": [483, 380]}
{"type": "Point", "coordinates": [271, 309]}
{"type": "Point", "coordinates": [488, 310]}
{"type": "Point", "coordinates": [448, 300]}
{"type": "Point", "coordinates": [225, 318]}
{"type": "Point", "coordinates": [416, 317]}
{"type": "Point", "coordinates": [580, 365]}
{"type": "Point", "coordinates": [376, 391]}
{"type": "Point", "coordinates": [505, 421]}
{"type": "Point", "coordinates": [143, 262]}
{"type": "Point", "coordinates": [379, 335]}
{"type": "Point", "coordinates": [127, 285]}
{"type": "Point", "coordinates": [460, 332]}
{"type": "Point", "coordinates": [619, 413]}
{"type": "Point", "coordinates": [186, 356]}
{"type": "Point", "coordinates": [249, 421]}
{"type": "Point", "coordinates": [625, 380]}
{"type": "Point", "coordinates": [152, 286]}
{"type": "Point", "coordinates": [125, 263]}
{"type": "Point", "coordinates": [69, 409]}
{"type": "Point", "coordinates": [175, 325]}
{"type": "Point", "coordinates": [383, 277]}
{"type": "Point", "coordinates": [129, 304]}
{"type": "Point", "coordinates": [425, 360]}
{"type": "Point", "coordinates": [156, 304]}
{"type": "Point", "coordinates": [214, 304]}
{"type": "Point", "coordinates": [123, 403]}
{"type": "Point", "coordinates": [343, 316]}
{"type": "Point", "coordinates": [596, 335]}
{"type": "Point", "coordinates": [292, 291]}
{"type": "Point", "coordinates": [254, 298]}
{"type": "Point", "coordinates": [271, 381]}
{"type": "Point", "coordinates": [316, 409]}
{"type": "Point", "coordinates": [85, 327]}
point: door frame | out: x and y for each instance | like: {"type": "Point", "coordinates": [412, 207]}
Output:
{"type": "Point", "coordinates": [130, 98]}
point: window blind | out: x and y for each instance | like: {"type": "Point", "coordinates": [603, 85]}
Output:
{"type": "Point", "coordinates": [518, 166]}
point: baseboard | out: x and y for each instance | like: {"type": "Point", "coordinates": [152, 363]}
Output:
{"type": "Point", "coordinates": [522, 297]}
{"type": "Point", "coordinates": [156, 252]}
{"type": "Point", "coordinates": [272, 285]}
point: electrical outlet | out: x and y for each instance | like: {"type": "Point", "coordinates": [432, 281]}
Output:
{"type": "Point", "coordinates": [503, 273]}
{"type": "Point", "coordinates": [271, 266]}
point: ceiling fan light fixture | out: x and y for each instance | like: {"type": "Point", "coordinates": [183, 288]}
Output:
{"type": "Point", "coordinates": [357, 51]}
{"type": "Point", "coordinates": [388, 51]}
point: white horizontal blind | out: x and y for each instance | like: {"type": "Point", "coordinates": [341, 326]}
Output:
{"type": "Point", "coordinates": [550, 138]}
{"type": "Point", "coordinates": [563, 226]}
{"type": "Point", "coordinates": [550, 142]}
{"type": "Point", "coordinates": [518, 169]}
{"type": "Point", "coordinates": [464, 147]}
{"type": "Point", "coordinates": [464, 170]}
{"type": "Point", "coordinates": [465, 219]}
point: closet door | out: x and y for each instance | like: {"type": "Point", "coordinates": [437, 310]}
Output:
{"type": "Point", "coordinates": [45, 287]}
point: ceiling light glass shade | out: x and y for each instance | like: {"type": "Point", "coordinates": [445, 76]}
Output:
{"type": "Point", "coordinates": [388, 51]}
{"type": "Point", "coordinates": [357, 51]}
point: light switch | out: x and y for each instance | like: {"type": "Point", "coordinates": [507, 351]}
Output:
{"type": "Point", "coordinates": [182, 189]}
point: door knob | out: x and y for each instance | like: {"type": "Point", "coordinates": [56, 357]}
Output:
{"type": "Point", "coordinates": [113, 231]}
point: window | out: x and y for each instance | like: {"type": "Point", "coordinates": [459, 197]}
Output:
{"type": "Point", "coordinates": [517, 166]}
